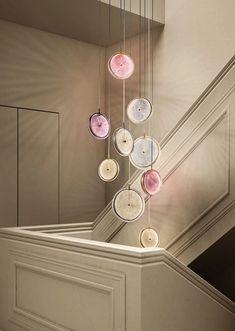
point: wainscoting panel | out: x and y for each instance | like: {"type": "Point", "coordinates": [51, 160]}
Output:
{"type": "Point", "coordinates": [50, 296]}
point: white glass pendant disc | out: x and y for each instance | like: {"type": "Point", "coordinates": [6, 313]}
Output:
{"type": "Point", "coordinates": [139, 110]}
{"type": "Point", "coordinates": [145, 152]}
{"type": "Point", "coordinates": [128, 205]}
{"type": "Point", "coordinates": [121, 66]}
{"type": "Point", "coordinates": [108, 170]}
{"type": "Point", "coordinates": [123, 141]}
{"type": "Point", "coordinates": [149, 238]}
{"type": "Point", "coordinates": [99, 126]}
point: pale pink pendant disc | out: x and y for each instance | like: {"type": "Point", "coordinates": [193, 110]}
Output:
{"type": "Point", "coordinates": [99, 126]}
{"type": "Point", "coordinates": [121, 66]}
{"type": "Point", "coordinates": [151, 182]}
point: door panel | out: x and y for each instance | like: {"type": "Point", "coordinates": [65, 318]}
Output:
{"type": "Point", "coordinates": [8, 167]}
{"type": "Point", "coordinates": [38, 168]}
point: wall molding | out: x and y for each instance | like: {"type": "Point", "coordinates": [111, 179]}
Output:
{"type": "Point", "coordinates": [180, 248]}
{"type": "Point", "coordinates": [106, 282]}
{"type": "Point", "coordinates": [61, 228]}
{"type": "Point", "coordinates": [211, 128]}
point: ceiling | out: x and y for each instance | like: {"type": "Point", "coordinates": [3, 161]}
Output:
{"type": "Point", "coordinates": [77, 19]}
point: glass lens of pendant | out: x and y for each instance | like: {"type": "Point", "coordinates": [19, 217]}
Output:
{"type": "Point", "coordinates": [108, 170]}
{"type": "Point", "coordinates": [151, 182]}
{"type": "Point", "coordinates": [123, 141]}
{"type": "Point", "coordinates": [121, 66]}
{"type": "Point", "coordinates": [145, 152]}
{"type": "Point", "coordinates": [149, 238]}
{"type": "Point", "coordinates": [139, 110]}
{"type": "Point", "coordinates": [99, 126]}
{"type": "Point", "coordinates": [128, 205]}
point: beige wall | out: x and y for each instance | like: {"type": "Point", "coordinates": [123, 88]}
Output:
{"type": "Point", "coordinates": [197, 41]}
{"type": "Point", "coordinates": [50, 72]}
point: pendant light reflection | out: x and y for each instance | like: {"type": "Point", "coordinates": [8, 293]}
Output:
{"type": "Point", "coordinates": [121, 66]}
{"type": "Point", "coordinates": [151, 182]}
{"type": "Point", "coordinates": [99, 126]}
{"type": "Point", "coordinates": [145, 152]}
{"type": "Point", "coordinates": [128, 205]}
{"type": "Point", "coordinates": [123, 141]}
{"type": "Point", "coordinates": [149, 238]}
{"type": "Point", "coordinates": [108, 170]}
{"type": "Point", "coordinates": [139, 110]}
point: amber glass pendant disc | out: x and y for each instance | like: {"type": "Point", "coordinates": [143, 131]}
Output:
{"type": "Point", "coordinates": [108, 170]}
{"type": "Point", "coordinates": [145, 152]}
{"type": "Point", "coordinates": [99, 126]}
{"type": "Point", "coordinates": [121, 66]}
{"type": "Point", "coordinates": [139, 110]}
{"type": "Point", "coordinates": [128, 205]}
{"type": "Point", "coordinates": [123, 141]}
{"type": "Point", "coordinates": [149, 238]}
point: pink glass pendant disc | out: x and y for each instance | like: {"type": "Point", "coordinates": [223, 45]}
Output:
{"type": "Point", "coordinates": [151, 182]}
{"type": "Point", "coordinates": [121, 66]}
{"type": "Point", "coordinates": [99, 126]}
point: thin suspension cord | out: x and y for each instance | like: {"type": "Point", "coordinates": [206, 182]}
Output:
{"type": "Point", "coordinates": [124, 25]}
{"type": "Point", "coordinates": [123, 81]}
{"type": "Point", "coordinates": [109, 83]}
{"type": "Point", "coordinates": [149, 213]}
{"type": "Point", "coordinates": [121, 25]}
{"type": "Point", "coordinates": [124, 103]}
{"type": "Point", "coordinates": [99, 66]}
{"type": "Point", "coordinates": [130, 38]}
{"type": "Point", "coordinates": [144, 51]}
{"type": "Point", "coordinates": [150, 86]}
{"type": "Point", "coordinates": [149, 59]}
{"type": "Point", "coordinates": [152, 61]}
{"type": "Point", "coordinates": [144, 36]}
{"type": "Point", "coordinates": [129, 163]}
{"type": "Point", "coordinates": [140, 12]}
{"type": "Point", "coordinates": [150, 89]}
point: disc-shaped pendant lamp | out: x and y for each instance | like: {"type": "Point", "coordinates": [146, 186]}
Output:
{"type": "Point", "coordinates": [123, 141]}
{"type": "Point", "coordinates": [121, 66]}
{"type": "Point", "coordinates": [139, 110]}
{"type": "Point", "coordinates": [151, 182]}
{"type": "Point", "coordinates": [149, 238]}
{"type": "Point", "coordinates": [145, 152]}
{"type": "Point", "coordinates": [128, 205]}
{"type": "Point", "coordinates": [99, 126]}
{"type": "Point", "coordinates": [108, 170]}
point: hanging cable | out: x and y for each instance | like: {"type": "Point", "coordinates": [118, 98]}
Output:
{"type": "Point", "coordinates": [152, 62]}
{"type": "Point", "coordinates": [109, 82]}
{"type": "Point", "coordinates": [99, 66]}
{"type": "Point", "coordinates": [123, 81]}
{"type": "Point", "coordinates": [140, 12]}
{"type": "Point", "coordinates": [149, 128]}
{"type": "Point", "coordinates": [144, 36]}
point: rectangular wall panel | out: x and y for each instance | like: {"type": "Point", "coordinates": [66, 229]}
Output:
{"type": "Point", "coordinates": [38, 168]}
{"type": "Point", "coordinates": [8, 167]}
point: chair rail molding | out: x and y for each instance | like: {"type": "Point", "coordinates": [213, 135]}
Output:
{"type": "Point", "coordinates": [104, 286]}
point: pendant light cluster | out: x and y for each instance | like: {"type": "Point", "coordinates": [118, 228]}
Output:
{"type": "Point", "coordinates": [128, 204]}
